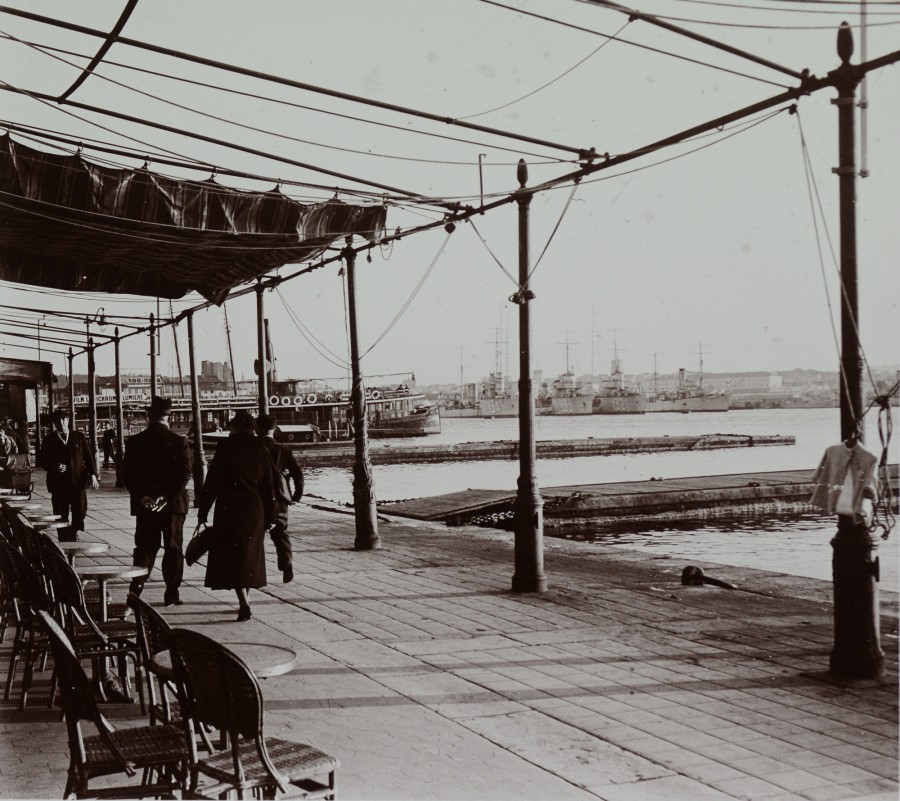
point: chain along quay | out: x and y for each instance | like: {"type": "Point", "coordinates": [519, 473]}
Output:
{"type": "Point", "coordinates": [329, 454]}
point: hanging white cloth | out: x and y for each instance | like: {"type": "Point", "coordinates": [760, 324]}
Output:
{"type": "Point", "coordinates": [846, 481]}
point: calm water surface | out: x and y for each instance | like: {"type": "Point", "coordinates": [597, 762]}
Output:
{"type": "Point", "coordinates": [798, 544]}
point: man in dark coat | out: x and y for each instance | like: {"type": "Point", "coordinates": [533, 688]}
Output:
{"type": "Point", "coordinates": [284, 464]}
{"type": "Point", "coordinates": [156, 471]}
{"type": "Point", "coordinates": [70, 465]}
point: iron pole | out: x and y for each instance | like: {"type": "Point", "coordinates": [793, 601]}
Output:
{"type": "Point", "coordinates": [262, 365]}
{"type": "Point", "coordinates": [120, 416]}
{"type": "Point", "coordinates": [92, 398]}
{"type": "Point", "coordinates": [153, 378]}
{"type": "Point", "coordinates": [528, 510]}
{"type": "Point", "coordinates": [364, 508]}
{"type": "Point", "coordinates": [857, 653]}
{"type": "Point", "coordinates": [199, 458]}
{"type": "Point", "coordinates": [71, 390]}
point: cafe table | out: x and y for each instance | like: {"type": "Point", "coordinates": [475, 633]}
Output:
{"type": "Point", "coordinates": [264, 659]}
{"type": "Point", "coordinates": [103, 574]}
{"type": "Point", "coordinates": [82, 548]}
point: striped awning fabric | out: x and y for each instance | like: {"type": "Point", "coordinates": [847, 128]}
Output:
{"type": "Point", "coordinates": [70, 224]}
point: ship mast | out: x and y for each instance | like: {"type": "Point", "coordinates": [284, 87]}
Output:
{"type": "Point", "coordinates": [230, 352]}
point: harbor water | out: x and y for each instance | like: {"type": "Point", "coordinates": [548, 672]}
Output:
{"type": "Point", "coordinates": [793, 544]}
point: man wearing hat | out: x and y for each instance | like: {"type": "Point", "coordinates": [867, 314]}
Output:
{"type": "Point", "coordinates": [70, 465]}
{"type": "Point", "coordinates": [156, 471]}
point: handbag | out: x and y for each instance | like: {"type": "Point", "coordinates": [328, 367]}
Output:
{"type": "Point", "coordinates": [199, 544]}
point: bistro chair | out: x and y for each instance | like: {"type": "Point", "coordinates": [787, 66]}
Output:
{"type": "Point", "coordinates": [94, 640]}
{"type": "Point", "coordinates": [27, 595]}
{"type": "Point", "coordinates": [219, 690]}
{"type": "Point", "coordinates": [160, 752]}
{"type": "Point", "coordinates": [153, 639]}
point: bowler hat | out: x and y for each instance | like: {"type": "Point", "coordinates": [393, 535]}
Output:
{"type": "Point", "coordinates": [61, 414]}
{"type": "Point", "coordinates": [243, 421]}
{"type": "Point", "coordinates": [159, 407]}
{"type": "Point", "coordinates": [265, 422]}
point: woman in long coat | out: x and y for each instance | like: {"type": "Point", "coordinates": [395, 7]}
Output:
{"type": "Point", "coordinates": [239, 482]}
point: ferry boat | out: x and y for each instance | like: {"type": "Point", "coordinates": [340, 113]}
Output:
{"type": "Point", "coordinates": [393, 411]}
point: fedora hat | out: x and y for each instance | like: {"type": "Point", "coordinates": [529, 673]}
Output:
{"type": "Point", "coordinates": [243, 421]}
{"type": "Point", "coordinates": [159, 407]}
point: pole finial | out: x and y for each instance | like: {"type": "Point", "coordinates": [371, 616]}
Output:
{"type": "Point", "coordinates": [522, 173]}
{"type": "Point", "coordinates": [845, 42]}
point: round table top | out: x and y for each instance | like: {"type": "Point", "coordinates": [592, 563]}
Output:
{"type": "Point", "coordinates": [264, 659]}
{"type": "Point", "coordinates": [40, 525]}
{"type": "Point", "coordinates": [21, 505]}
{"type": "Point", "coordinates": [42, 517]}
{"type": "Point", "coordinates": [86, 547]}
{"type": "Point", "coordinates": [110, 571]}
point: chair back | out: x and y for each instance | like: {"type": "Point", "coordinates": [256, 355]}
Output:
{"type": "Point", "coordinates": [66, 592]}
{"type": "Point", "coordinates": [75, 689]}
{"type": "Point", "coordinates": [218, 687]}
{"type": "Point", "coordinates": [22, 580]}
{"type": "Point", "coordinates": [153, 630]}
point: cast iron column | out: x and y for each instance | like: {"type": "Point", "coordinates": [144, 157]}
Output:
{"type": "Point", "coordinates": [199, 458]}
{"type": "Point", "coordinates": [71, 390]}
{"type": "Point", "coordinates": [528, 511]}
{"type": "Point", "coordinates": [857, 653]}
{"type": "Point", "coordinates": [364, 508]}
{"type": "Point", "coordinates": [120, 417]}
{"type": "Point", "coordinates": [92, 398]}
{"type": "Point", "coordinates": [153, 377]}
{"type": "Point", "coordinates": [262, 364]}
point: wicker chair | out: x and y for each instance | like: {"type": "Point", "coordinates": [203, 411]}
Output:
{"type": "Point", "coordinates": [97, 641]}
{"type": "Point", "coordinates": [27, 591]}
{"type": "Point", "coordinates": [153, 638]}
{"type": "Point", "coordinates": [219, 690]}
{"type": "Point", "coordinates": [159, 751]}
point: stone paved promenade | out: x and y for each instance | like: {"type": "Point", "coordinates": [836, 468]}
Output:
{"type": "Point", "coordinates": [429, 679]}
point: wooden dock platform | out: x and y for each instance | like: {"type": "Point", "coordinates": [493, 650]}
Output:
{"type": "Point", "coordinates": [334, 454]}
{"type": "Point", "coordinates": [578, 506]}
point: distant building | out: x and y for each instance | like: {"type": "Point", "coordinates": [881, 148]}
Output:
{"type": "Point", "coordinates": [218, 371]}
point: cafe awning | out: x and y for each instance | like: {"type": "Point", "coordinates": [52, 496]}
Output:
{"type": "Point", "coordinates": [70, 224]}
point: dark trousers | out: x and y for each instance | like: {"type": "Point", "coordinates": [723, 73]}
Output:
{"type": "Point", "coordinates": [71, 506]}
{"type": "Point", "coordinates": [152, 531]}
{"type": "Point", "coordinates": [280, 537]}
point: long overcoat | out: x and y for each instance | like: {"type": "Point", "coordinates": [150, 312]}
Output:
{"type": "Point", "coordinates": [239, 482]}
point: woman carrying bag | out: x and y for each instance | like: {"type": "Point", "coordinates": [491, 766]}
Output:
{"type": "Point", "coordinates": [239, 482]}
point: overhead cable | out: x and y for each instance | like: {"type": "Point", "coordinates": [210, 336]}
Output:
{"type": "Point", "coordinates": [204, 138]}
{"type": "Point", "coordinates": [107, 43]}
{"type": "Point", "coordinates": [654, 20]}
{"type": "Point", "coordinates": [634, 44]}
{"type": "Point", "coordinates": [581, 152]}
{"type": "Point", "coordinates": [48, 50]}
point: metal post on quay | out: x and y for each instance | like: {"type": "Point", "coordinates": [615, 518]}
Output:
{"type": "Point", "coordinates": [857, 652]}
{"type": "Point", "coordinates": [364, 507]}
{"type": "Point", "coordinates": [528, 519]}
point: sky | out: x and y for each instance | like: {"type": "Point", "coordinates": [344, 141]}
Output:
{"type": "Point", "coordinates": [724, 245]}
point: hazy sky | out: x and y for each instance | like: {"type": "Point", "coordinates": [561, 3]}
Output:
{"type": "Point", "coordinates": [713, 242]}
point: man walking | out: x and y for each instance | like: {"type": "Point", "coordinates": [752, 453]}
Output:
{"type": "Point", "coordinates": [70, 466]}
{"type": "Point", "coordinates": [283, 466]}
{"type": "Point", "coordinates": [156, 471]}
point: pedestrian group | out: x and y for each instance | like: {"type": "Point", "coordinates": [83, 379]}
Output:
{"type": "Point", "coordinates": [248, 483]}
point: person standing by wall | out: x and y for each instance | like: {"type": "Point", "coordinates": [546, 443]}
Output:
{"type": "Point", "coordinates": [239, 482]}
{"type": "Point", "coordinates": [156, 471]}
{"type": "Point", "coordinates": [70, 465]}
{"type": "Point", "coordinates": [284, 466]}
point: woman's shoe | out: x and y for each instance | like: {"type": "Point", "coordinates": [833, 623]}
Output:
{"type": "Point", "coordinates": [244, 613]}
